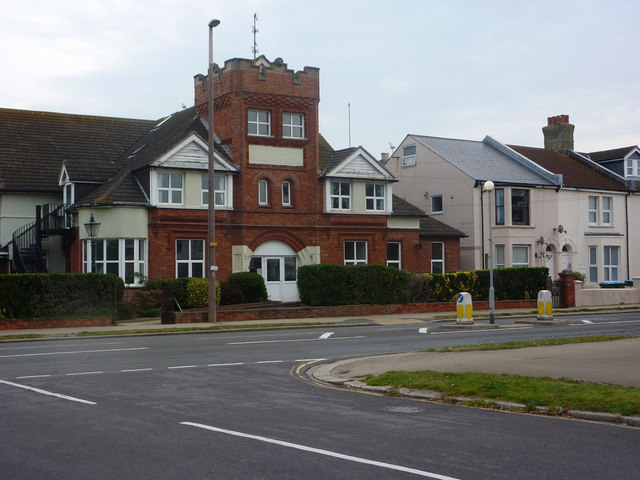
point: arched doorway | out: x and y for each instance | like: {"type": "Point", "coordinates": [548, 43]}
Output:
{"type": "Point", "coordinates": [277, 263]}
{"type": "Point", "coordinates": [548, 256]}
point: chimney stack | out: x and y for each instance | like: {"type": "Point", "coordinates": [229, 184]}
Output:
{"type": "Point", "coordinates": [558, 134]}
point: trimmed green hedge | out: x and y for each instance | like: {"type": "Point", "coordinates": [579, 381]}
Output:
{"type": "Point", "coordinates": [52, 295]}
{"type": "Point", "coordinates": [244, 287]}
{"type": "Point", "coordinates": [353, 284]}
{"type": "Point", "coordinates": [378, 284]}
{"type": "Point", "coordinates": [189, 292]}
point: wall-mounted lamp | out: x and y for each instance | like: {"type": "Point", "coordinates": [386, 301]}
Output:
{"type": "Point", "coordinates": [92, 227]}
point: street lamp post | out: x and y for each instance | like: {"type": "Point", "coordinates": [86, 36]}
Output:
{"type": "Point", "coordinates": [212, 200]}
{"type": "Point", "coordinates": [92, 228]}
{"type": "Point", "coordinates": [488, 186]}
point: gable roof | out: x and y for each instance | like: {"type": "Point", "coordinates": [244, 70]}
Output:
{"type": "Point", "coordinates": [611, 155]}
{"type": "Point", "coordinates": [575, 173]}
{"type": "Point", "coordinates": [166, 138]}
{"type": "Point", "coordinates": [355, 162]}
{"type": "Point", "coordinates": [34, 145]}
{"type": "Point", "coordinates": [489, 160]}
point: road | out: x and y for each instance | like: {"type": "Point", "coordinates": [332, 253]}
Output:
{"type": "Point", "coordinates": [236, 405]}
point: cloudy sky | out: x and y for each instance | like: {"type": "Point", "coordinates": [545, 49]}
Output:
{"type": "Point", "coordinates": [458, 69]}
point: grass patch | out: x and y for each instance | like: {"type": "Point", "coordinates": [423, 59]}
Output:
{"type": "Point", "coordinates": [532, 343]}
{"type": "Point", "coordinates": [530, 391]}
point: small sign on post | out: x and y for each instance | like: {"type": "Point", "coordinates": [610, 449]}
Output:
{"type": "Point", "coordinates": [545, 305]}
{"type": "Point", "coordinates": [465, 309]}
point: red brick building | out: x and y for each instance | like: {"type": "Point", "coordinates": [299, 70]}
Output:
{"type": "Point", "coordinates": [284, 197]}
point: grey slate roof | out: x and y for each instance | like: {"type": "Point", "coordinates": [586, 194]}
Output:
{"type": "Point", "coordinates": [608, 155]}
{"type": "Point", "coordinates": [122, 187]}
{"type": "Point", "coordinates": [432, 228]}
{"type": "Point", "coordinates": [34, 145]}
{"type": "Point", "coordinates": [488, 160]}
{"type": "Point", "coordinates": [403, 208]}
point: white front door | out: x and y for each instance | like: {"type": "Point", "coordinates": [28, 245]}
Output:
{"type": "Point", "coordinates": [277, 263]}
{"type": "Point", "coordinates": [272, 267]}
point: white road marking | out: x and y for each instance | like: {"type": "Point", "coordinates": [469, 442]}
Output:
{"type": "Point", "coordinates": [270, 361]}
{"type": "Point", "coordinates": [45, 392]}
{"type": "Point", "coordinates": [296, 340]}
{"type": "Point", "coordinates": [32, 376]}
{"type": "Point", "coordinates": [73, 352]}
{"type": "Point", "coordinates": [328, 453]}
{"type": "Point", "coordinates": [309, 359]}
{"type": "Point", "coordinates": [83, 373]}
{"type": "Point", "coordinates": [588, 322]}
{"type": "Point", "coordinates": [182, 366]}
{"type": "Point", "coordinates": [423, 330]}
{"type": "Point", "coordinates": [59, 346]}
{"type": "Point", "coordinates": [225, 364]}
{"type": "Point", "coordinates": [136, 370]}
{"type": "Point", "coordinates": [324, 336]}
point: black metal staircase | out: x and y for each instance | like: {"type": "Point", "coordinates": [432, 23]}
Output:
{"type": "Point", "coordinates": [51, 219]}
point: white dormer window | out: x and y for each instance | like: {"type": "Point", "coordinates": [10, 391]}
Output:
{"type": "Point", "coordinates": [222, 192]}
{"type": "Point", "coordinates": [340, 196]}
{"type": "Point", "coordinates": [259, 122]}
{"type": "Point", "coordinates": [374, 196]}
{"type": "Point", "coordinates": [170, 188]}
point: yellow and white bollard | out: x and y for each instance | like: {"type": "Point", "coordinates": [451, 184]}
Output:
{"type": "Point", "coordinates": [465, 309]}
{"type": "Point", "coordinates": [545, 305]}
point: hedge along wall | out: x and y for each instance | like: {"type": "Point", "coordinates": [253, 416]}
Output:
{"type": "Point", "coordinates": [52, 295]}
{"type": "Point", "coordinates": [377, 284]}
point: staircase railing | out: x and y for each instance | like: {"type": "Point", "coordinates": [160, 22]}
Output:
{"type": "Point", "coordinates": [51, 219]}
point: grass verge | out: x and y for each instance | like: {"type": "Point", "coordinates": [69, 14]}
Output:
{"type": "Point", "coordinates": [531, 343]}
{"type": "Point", "coordinates": [549, 392]}
{"type": "Point", "coordinates": [557, 395]}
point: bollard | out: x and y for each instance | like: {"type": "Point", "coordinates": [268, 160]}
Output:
{"type": "Point", "coordinates": [545, 306]}
{"type": "Point", "coordinates": [465, 309]}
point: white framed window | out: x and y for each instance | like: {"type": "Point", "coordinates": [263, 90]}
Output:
{"type": "Point", "coordinates": [374, 196]}
{"type": "Point", "coordinates": [340, 195]}
{"type": "Point", "coordinates": [121, 256]}
{"type": "Point", "coordinates": [500, 256]}
{"type": "Point", "coordinates": [286, 193]}
{"type": "Point", "coordinates": [593, 210]}
{"type": "Point", "coordinates": [259, 122]}
{"type": "Point", "coordinates": [633, 167]}
{"type": "Point", "coordinates": [593, 264]}
{"type": "Point", "coordinates": [263, 192]}
{"type": "Point", "coordinates": [520, 256]}
{"type": "Point", "coordinates": [437, 257]}
{"type": "Point", "coordinates": [436, 204]}
{"type": "Point", "coordinates": [519, 206]}
{"type": "Point", "coordinates": [170, 188]}
{"type": "Point", "coordinates": [394, 253]}
{"type": "Point", "coordinates": [189, 258]}
{"type": "Point", "coordinates": [606, 210]}
{"type": "Point", "coordinates": [499, 194]}
{"type": "Point", "coordinates": [355, 252]}
{"type": "Point", "coordinates": [409, 156]}
{"type": "Point", "coordinates": [611, 263]}
{"type": "Point", "coordinates": [221, 192]}
{"type": "Point", "coordinates": [293, 125]}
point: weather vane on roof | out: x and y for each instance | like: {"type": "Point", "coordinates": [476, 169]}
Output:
{"type": "Point", "coordinates": [254, 30]}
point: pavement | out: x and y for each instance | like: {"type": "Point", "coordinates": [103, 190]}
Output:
{"type": "Point", "coordinates": [613, 362]}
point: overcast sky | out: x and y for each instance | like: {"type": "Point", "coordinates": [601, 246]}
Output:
{"type": "Point", "coordinates": [457, 69]}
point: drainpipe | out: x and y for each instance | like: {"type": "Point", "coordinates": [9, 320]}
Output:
{"type": "Point", "coordinates": [626, 211]}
